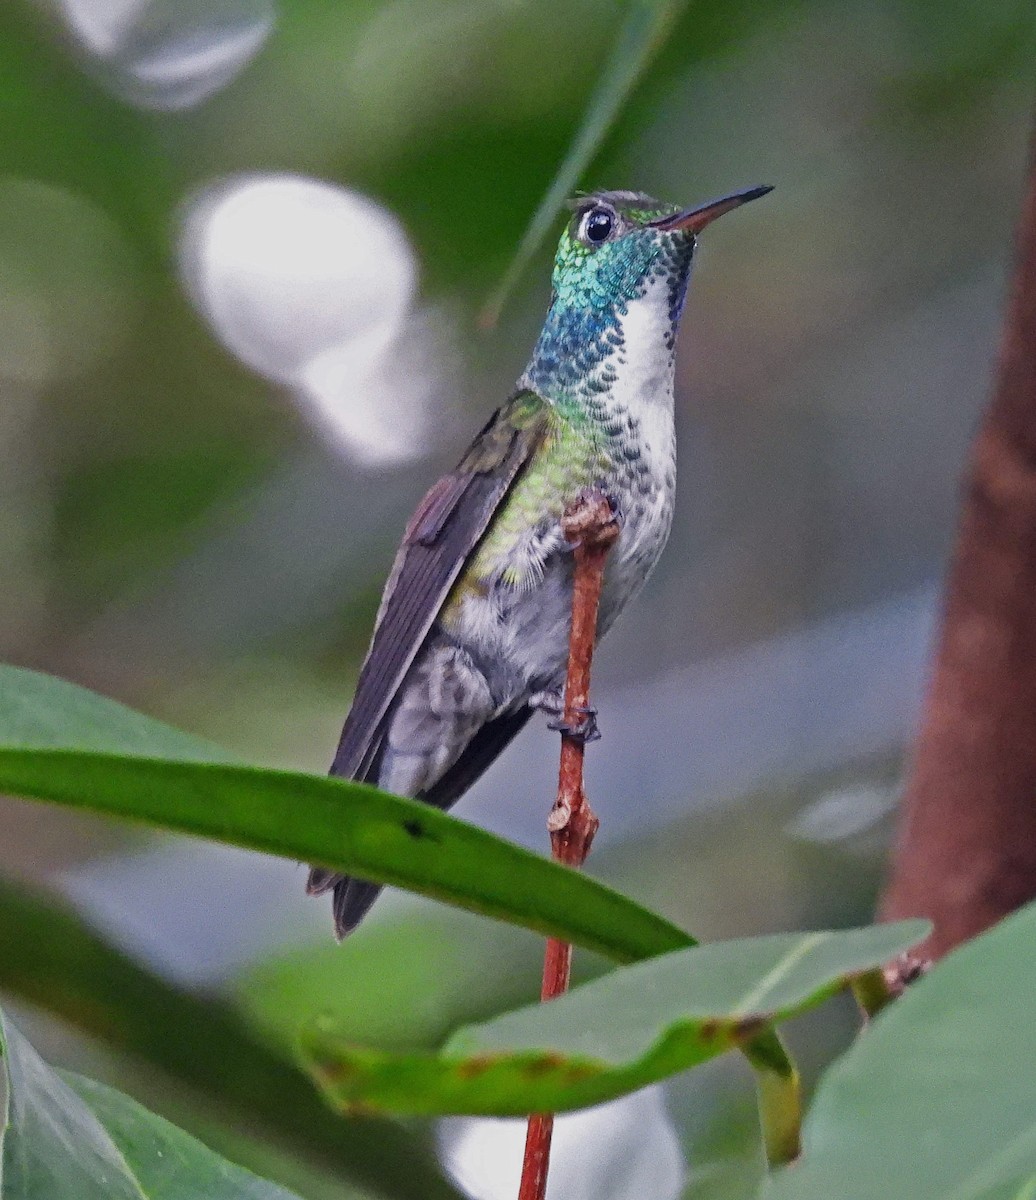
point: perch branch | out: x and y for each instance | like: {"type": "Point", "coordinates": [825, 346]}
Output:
{"type": "Point", "coordinates": [591, 526]}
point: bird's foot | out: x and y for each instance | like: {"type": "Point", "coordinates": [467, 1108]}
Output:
{"type": "Point", "coordinates": [584, 729]}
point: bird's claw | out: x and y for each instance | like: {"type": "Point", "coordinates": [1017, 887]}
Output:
{"type": "Point", "coordinates": [583, 730]}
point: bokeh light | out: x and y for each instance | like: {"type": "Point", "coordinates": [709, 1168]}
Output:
{"type": "Point", "coordinates": [167, 54]}
{"type": "Point", "coordinates": [314, 286]}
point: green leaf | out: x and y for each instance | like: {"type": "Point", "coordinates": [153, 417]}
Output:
{"type": "Point", "coordinates": [43, 712]}
{"type": "Point", "coordinates": [645, 28]}
{"type": "Point", "coordinates": [68, 1138]}
{"type": "Point", "coordinates": [49, 957]}
{"type": "Point", "coordinates": [631, 1028]}
{"type": "Point", "coordinates": [352, 828]}
{"type": "Point", "coordinates": [938, 1100]}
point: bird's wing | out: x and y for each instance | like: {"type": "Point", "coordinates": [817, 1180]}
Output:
{"type": "Point", "coordinates": [446, 527]}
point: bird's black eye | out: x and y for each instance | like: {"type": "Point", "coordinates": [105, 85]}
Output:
{"type": "Point", "coordinates": [597, 225]}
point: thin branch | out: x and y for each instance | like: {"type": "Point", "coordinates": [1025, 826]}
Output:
{"type": "Point", "coordinates": [590, 525]}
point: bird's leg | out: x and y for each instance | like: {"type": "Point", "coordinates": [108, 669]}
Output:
{"type": "Point", "coordinates": [584, 728]}
{"type": "Point", "coordinates": [552, 702]}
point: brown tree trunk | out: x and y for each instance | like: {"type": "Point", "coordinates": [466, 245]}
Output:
{"type": "Point", "coordinates": [966, 852]}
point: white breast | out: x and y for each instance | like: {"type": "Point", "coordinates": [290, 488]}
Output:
{"type": "Point", "coordinates": [520, 635]}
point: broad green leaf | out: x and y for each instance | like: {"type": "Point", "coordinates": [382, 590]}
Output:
{"type": "Point", "coordinates": [645, 28]}
{"type": "Point", "coordinates": [69, 1138]}
{"type": "Point", "coordinates": [631, 1028]}
{"type": "Point", "coordinates": [938, 1100]}
{"type": "Point", "coordinates": [52, 959]}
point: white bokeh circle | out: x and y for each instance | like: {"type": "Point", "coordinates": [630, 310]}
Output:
{"type": "Point", "coordinates": [314, 286]}
{"type": "Point", "coordinates": [166, 54]}
{"type": "Point", "coordinates": [625, 1148]}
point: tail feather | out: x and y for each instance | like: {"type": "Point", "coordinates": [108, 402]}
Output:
{"type": "Point", "coordinates": [353, 897]}
{"type": "Point", "coordinates": [320, 880]}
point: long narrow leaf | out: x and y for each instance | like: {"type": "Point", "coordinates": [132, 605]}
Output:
{"type": "Point", "coordinates": [352, 828]}
{"type": "Point", "coordinates": [62, 743]}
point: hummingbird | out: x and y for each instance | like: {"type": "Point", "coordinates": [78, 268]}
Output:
{"type": "Point", "coordinates": [471, 637]}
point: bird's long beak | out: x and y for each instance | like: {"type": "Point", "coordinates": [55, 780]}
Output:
{"type": "Point", "coordinates": [695, 219]}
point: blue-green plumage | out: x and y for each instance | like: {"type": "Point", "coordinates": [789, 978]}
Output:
{"type": "Point", "coordinates": [472, 633]}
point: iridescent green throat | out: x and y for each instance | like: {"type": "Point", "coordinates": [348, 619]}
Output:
{"type": "Point", "coordinates": [582, 345]}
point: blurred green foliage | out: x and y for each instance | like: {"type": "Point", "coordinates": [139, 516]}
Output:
{"type": "Point", "coordinates": [49, 958]}
{"type": "Point", "coordinates": [65, 1136]}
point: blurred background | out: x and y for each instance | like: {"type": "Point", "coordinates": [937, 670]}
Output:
{"type": "Point", "coordinates": [243, 249]}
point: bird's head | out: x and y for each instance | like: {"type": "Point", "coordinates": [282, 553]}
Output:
{"type": "Point", "coordinates": [621, 253]}
{"type": "Point", "coordinates": [617, 243]}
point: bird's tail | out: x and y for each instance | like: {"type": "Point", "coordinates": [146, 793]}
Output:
{"type": "Point", "coordinates": [352, 897]}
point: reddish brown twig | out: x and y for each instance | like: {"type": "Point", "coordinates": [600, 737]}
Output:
{"type": "Point", "coordinates": [966, 853]}
{"type": "Point", "coordinates": [590, 525]}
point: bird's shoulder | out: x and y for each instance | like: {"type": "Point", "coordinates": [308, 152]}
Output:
{"type": "Point", "coordinates": [457, 508]}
